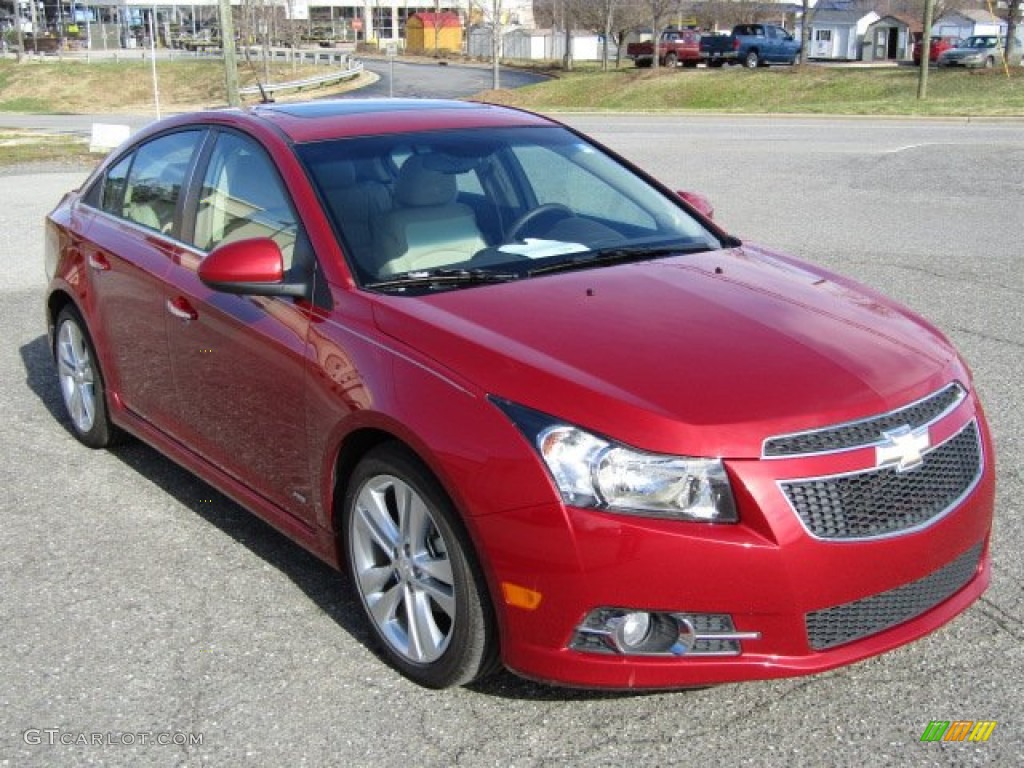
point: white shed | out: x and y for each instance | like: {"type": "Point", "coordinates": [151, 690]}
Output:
{"type": "Point", "coordinates": [891, 38]}
{"type": "Point", "coordinates": [550, 44]}
{"type": "Point", "coordinates": [838, 34]}
{"type": "Point", "coordinates": [968, 22]}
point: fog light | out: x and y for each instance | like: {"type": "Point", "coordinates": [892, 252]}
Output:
{"type": "Point", "coordinates": [632, 631]}
{"type": "Point", "coordinates": [623, 631]}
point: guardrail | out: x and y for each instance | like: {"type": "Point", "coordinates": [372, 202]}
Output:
{"type": "Point", "coordinates": [353, 70]}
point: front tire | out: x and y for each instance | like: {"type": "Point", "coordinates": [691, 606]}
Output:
{"type": "Point", "coordinates": [82, 383]}
{"type": "Point", "coordinates": [411, 563]}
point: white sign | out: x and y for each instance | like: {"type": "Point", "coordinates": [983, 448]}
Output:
{"type": "Point", "coordinates": [106, 136]}
{"type": "Point", "coordinates": [298, 10]}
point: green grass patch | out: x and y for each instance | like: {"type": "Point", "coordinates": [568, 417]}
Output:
{"type": "Point", "coordinates": [797, 90]}
{"type": "Point", "coordinates": [30, 146]}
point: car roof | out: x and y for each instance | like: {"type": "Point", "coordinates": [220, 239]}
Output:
{"type": "Point", "coordinates": [339, 118]}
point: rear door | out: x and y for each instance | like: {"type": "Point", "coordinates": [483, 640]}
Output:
{"type": "Point", "coordinates": [132, 218]}
{"type": "Point", "coordinates": [238, 361]}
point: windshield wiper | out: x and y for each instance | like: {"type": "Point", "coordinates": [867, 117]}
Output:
{"type": "Point", "coordinates": [443, 277]}
{"type": "Point", "coordinates": [619, 255]}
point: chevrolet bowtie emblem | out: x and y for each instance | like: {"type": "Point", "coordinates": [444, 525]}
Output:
{"type": "Point", "coordinates": [903, 447]}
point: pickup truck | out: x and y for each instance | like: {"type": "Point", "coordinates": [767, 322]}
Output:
{"type": "Point", "coordinates": [753, 45]}
{"type": "Point", "coordinates": [675, 46]}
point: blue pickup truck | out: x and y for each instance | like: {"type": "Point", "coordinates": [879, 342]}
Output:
{"type": "Point", "coordinates": [753, 45]}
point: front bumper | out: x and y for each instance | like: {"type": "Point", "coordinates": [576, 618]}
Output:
{"type": "Point", "coordinates": [785, 590]}
{"type": "Point", "coordinates": [966, 63]}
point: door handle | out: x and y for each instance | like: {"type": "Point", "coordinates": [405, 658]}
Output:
{"type": "Point", "coordinates": [181, 309]}
{"type": "Point", "coordinates": [98, 262]}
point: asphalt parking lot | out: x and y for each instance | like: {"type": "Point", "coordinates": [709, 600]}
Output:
{"type": "Point", "coordinates": [137, 603]}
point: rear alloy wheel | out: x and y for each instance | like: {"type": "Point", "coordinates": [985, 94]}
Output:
{"type": "Point", "coordinates": [670, 60]}
{"type": "Point", "coordinates": [81, 382]}
{"type": "Point", "coordinates": [410, 563]}
{"type": "Point", "coordinates": [753, 61]}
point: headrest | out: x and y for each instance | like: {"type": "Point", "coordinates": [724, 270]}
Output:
{"type": "Point", "coordinates": [372, 169]}
{"type": "Point", "coordinates": [420, 187]}
{"type": "Point", "coordinates": [338, 174]}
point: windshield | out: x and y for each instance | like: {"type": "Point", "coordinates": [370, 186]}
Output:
{"type": "Point", "coordinates": [511, 201]}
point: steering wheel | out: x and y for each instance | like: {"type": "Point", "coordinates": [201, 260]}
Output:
{"type": "Point", "coordinates": [556, 210]}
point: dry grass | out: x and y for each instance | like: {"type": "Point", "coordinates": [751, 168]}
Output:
{"type": "Point", "coordinates": [18, 147]}
{"type": "Point", "coordinates": [126, 87]}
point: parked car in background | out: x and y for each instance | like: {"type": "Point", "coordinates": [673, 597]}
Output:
{"type": "Point", "coordinates": [985, 51]}
{"type": "Point", "coordinates": [541, 409]}
{"type": "Point", "coordinates": [675, 46]}
{"type": "Point", "coordinates": [752, 45]}
{"type": "Point", "coordinates": [938, 46]}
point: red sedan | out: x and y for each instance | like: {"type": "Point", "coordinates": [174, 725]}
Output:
{"type": "Point", "coordinates": [937, 46]}
{"type": "Point", "coordinates": [543, 411]}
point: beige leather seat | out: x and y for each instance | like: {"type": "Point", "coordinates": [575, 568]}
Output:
{"type": "Point", "coordinates": [358, 204]}
{"type": "Point", "coordinates": [427, 228]}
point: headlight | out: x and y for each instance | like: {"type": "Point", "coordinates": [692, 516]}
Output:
{"type": "Point", "coordinates": [594, 472]}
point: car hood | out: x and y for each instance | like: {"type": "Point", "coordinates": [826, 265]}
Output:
{"type": "Point", "coordinates": [704, 354]}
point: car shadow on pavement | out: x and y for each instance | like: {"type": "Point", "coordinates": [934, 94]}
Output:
{"type": "Point", "coordinates": [327, 587]}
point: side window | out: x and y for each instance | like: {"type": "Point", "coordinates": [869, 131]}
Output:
{"type": "Point", "coordinates": [155, 181]}
{"type": "Point", "coordinates": [112, 195]}
{"type": "Point", "coordinates": [242, 197]}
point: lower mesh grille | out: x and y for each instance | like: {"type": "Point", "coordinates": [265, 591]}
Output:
{"type": "Point", "coordinates": [845, 623]}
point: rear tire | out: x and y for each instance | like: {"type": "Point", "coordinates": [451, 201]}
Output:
{"type": "Point", "coordinates": [81, 382]}
{"type": "Point", "coordinates": [752, 60]}
{"type": "Point", "coordinates": [671, 60]}
{"type": "Point", "coordinates": [412, 566]}
{"type": "Point", "coordinates": [990, 63]}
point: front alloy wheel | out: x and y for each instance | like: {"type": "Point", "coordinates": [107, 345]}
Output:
{"type": "Point", "coordinates": [410, 563]}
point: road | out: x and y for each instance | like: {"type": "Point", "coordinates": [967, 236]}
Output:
{"type": "Point", "coordinates": [438, 81]}
{"type": "Point", "coordinates": [135, 599]}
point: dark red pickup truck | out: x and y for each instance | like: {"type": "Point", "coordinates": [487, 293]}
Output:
{"type": "Point", "coordinates": [676, 46]}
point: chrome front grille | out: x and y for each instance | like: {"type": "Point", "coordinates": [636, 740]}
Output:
{"type": "Point", "coordinates": [852, 621]}
{"type": "Point", "coordinates": [866, 432]}
{"type": "Point", "coordinates": [885, 501]}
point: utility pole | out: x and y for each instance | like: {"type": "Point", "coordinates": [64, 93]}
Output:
{"type": "Point", "coordinates": [227, 42]}
{"type": "Point", "coordinates": [496, 43]}
{"type": "Point", "coordinates": [926, 50]}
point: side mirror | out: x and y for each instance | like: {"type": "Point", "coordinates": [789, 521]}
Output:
{"type": "Point", "coordinates": [699, 202]}
{"type": "Point", "coordinates": [254, 267]}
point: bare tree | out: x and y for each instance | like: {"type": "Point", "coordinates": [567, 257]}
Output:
{"type": "Point", "coordinates": [491, 11]}
{"type": "Point", "coordinates": [806, 17]}
{"type": "Point", "coordinates": [1012, 15]}
{"type": "Point", "coordinates": [659, 11]}
{"type": "Point", "coordinates": [600, 15]}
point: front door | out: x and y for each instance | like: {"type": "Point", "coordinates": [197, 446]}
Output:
{"type": "Point", "coordinates": [239, 361]}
